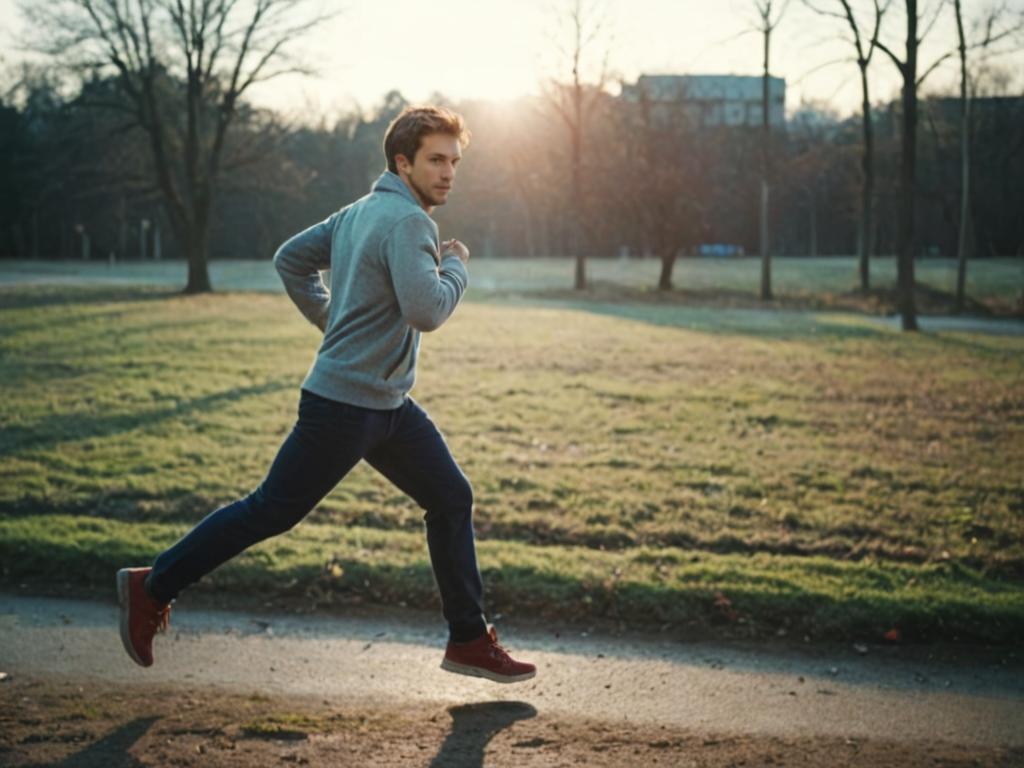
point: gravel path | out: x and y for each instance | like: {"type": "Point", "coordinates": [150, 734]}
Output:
{"type": "Point", "coordinates": [889, 694]}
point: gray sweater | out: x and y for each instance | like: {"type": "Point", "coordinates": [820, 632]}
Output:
{"type": "Point", "coordinates": [388, 283]}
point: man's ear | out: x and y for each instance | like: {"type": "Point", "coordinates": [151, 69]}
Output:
{"type": "Point", "coordinates": [402, 163]}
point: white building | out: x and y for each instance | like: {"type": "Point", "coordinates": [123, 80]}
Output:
{"type": "Point", "coordinates": [713, 100]}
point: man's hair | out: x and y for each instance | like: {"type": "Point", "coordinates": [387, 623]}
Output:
{"type": "Point", "coordinates": [406, 132]}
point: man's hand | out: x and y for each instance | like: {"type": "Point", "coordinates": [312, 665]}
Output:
{"type": "Point", "coordinates": [456, 247]}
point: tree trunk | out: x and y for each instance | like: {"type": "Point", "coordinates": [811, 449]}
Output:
{"type": "Point", "coordinates": [766, 263]}
{"type": "Point", "coordinates": [195, 252]}
{"type": "Point", "coordinates": [18, 239]}
{"type": "Point", "coordinates": [143, 235]}
{"type": "Point", "coordinates": [907, 239]}
{"type": "Point", "coordinates": [35, 233]}
{"type": "Point", "coordinates": [867, 190]}
{"type": "Point", "coordinates": [814, 225]}
{"type": "Point", "coordinates": [580, 281]}
{"type": "Point", "coordinates": [965, 170]}
{"type": "Point", "coordinates": [668, 261]}
{"type": "Point", "coordinates": [531, 249]}
{"type": "Point", "coordinates": [122, 229]}
{"type": "Point", "coordinates": [65, 244]}
{"type": "Point", "coordinates": [528, 239]}
{"type": "Point", "coordinates": [966, 220]}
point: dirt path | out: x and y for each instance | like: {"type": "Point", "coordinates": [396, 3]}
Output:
{"type": "Point", "coordinates": [232, 689]}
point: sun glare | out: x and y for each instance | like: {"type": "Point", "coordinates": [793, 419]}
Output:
{"type": "Point", "coordinates": [502, 49]}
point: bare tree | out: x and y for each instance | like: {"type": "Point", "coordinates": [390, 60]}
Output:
{"type": "Point", "coordinates": [768, 21]}
{"type": "Point", "coordinates": [573, 101]}
{"type": "Point", "coordinates": [666, 175]}
{"type": "Point", "coordinates": [183, 68]}
{"type": "Point", "coordinates": [810, 143]}
{"type": "Point", "coordinates": [906, 234]}
{"type": "Point", "coordinates": [865, 53]}
{"type": "Point", "coordinates": [995, 25]}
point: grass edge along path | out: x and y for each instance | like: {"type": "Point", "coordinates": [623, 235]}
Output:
{"type": "Point", "coordinates": [734, 595]}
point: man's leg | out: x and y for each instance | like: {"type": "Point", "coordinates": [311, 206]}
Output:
{"type": "Point", "coordinates": [416, 458]}
{"type": "Point", "coordinates": [328, 439]}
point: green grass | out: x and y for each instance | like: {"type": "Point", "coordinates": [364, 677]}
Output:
{"type": "Point", "coordinates": [641, 586]}
{"type": "Point", "coordinates": [991, 283]}
{"type": "Point", "coordinates": [630, 462]}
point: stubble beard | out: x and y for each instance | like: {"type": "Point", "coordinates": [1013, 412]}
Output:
{"type": "Point", "coordinates": [424, 195]}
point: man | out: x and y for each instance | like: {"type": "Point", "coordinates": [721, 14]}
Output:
{"type": "Point", "coordinates": [390, 280]}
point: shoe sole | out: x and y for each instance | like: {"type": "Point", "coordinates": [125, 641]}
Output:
{"type": "Point", "coordinates": [465, 669]}
{"type": "Point", "coordinates": [123, 592]}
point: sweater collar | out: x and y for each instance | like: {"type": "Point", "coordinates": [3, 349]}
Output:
{"type": "Point", "coordinates": [392, 182]}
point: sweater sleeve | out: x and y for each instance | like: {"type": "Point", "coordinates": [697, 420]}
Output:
{"type": "Point", "coordinates": [428, 287]}
{"type": "Point", "coordinates": [299, 262]}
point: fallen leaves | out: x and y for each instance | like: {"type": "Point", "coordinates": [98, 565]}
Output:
{"type": "Point", "coordinates": [724, 606]}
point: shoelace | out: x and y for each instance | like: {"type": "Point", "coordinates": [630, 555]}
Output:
{"type": "Point", "coordinates": [497, 651]}
{"type": "Point", "coordinates": [162, 620]}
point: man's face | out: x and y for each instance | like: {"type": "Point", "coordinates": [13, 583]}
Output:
{"type": "Point", "coordinates": [432, 173]}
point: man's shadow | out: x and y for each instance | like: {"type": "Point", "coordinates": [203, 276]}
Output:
{"type": "Point", "coordinates": [112, 751]}
{"type": "Point", "coordinates": [473, 726]}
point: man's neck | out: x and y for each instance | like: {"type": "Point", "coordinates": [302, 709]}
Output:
{"type": "Point", "coordinates": [416, 195]}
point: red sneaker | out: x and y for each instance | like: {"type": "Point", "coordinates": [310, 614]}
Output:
{"type": "Point", "coordinates": [484, 657]}
{"type": "Point", "coordinates": [141, 616]}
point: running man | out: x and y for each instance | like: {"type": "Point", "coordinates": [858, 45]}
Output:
{"type": "Point", "coordinates": [390, 280]}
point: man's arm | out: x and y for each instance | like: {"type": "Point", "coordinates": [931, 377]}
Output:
{"type": "Point", "coordinates": [299, 262]}
{"type": "Point", "coordinates": [428, 285]}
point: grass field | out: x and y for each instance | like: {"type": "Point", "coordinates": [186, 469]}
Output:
{"type": "Point", "coordinates": [818, 473]}
{"type": "Point", "coordinates": [993, 285]}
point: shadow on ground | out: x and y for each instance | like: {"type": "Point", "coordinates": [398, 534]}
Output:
{"type": "Point", "coordinates": [781, 323]}
{"type": "Point", "coordinates": [764, 323]}
{"type": "Point", "coordinates": [62, 427]}
{"type": "Point", "coordinates": [32, 297]}
{"type": "Point", "coordinates": [112, 751]}
{"type": "Point", "coordinates": [473, 727]}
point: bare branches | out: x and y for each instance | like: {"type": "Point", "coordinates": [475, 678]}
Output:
{"type": "Point", "coordinates": [846, 14]}
{"type": "Point", "coordinates": [933, 66]}
{"type": "Point", "coordinates": [998, 25]}
{"type": "Point", "coordinates": [222, 13]}
{"type": "Point", "coordinates": [888, 52]}
{"type": "Point", "coordinates": [880, 11]}
{"type": "Point", "coordinates": [764, 11]}
{"type": "Point", "coordinates": [581, 30]}
{"type": "Point", "coordinates": [819, 67]}
{"type": "Point", "coordinates": [939, 6]}
{"type": "Point", "coordinates": [274, 51]}
{"type": "Point", "coordinates": [821, 11]}
{"type": "Point", "coordinates": [167, 54]}
{"type": "Point", "coordinates": [573, 101]}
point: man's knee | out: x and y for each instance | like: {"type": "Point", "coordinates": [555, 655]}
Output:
{"type": "Point", "coordinates": [268, 515]}
{"type": "Point", "coordinates": [454, 501]}
{"type": "Point", "coordinates": [463, 495]}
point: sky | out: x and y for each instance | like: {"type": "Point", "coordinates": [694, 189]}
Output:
{"type": "Point", "coordinates": [500, 49]}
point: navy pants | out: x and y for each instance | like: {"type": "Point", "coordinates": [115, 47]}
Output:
{"type": "Point", "coordinates": [327, 441]}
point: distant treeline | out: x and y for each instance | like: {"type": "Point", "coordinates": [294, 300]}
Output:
{"type": "Point", "coordinates": [77, 178]}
